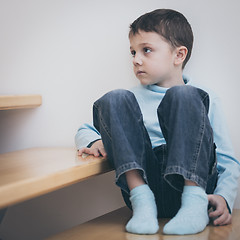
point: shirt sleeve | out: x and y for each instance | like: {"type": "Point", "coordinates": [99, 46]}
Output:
{"type": "Point", "coordinates": [227, 165]}
{"type": "Point", "coordinates": [86, 134]}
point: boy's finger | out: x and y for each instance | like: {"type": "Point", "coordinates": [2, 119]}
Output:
{"type": "Point", "coordinates": [228, 220]}
{"type": "Point", "coordinates": [83, 151]}
{"type": "Point", "coordinates": [212, 200]}
{"type": "Point", "coordinates": [218, 212]}
{"type": "Point", "coordinates": [95, 152]}
{"type": "Point", "coordinates": [92, 151]}
{"type": "Point", "coordinates": [103, 152]}
{"type": "Point", "coordinates": [214, 214]}
{"type": "Point", "coordinates": [221, 219]}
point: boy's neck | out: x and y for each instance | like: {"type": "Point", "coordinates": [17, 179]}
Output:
{"type": "Point", "coordinates": [174, 80]}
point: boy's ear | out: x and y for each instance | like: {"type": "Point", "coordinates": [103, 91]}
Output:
{"type": "Point", "coordinates": [181, 53]}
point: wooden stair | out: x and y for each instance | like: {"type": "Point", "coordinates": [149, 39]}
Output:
{"type": "Point", "coordinates": [29, 173]}
{"type": "Point", "coordinates": [8, 102]}
{"type": "Point", "coordinates": [111, 226]}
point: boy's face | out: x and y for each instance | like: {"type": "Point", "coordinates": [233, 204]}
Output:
{"type": "Point", "coordinates": [153, 59]}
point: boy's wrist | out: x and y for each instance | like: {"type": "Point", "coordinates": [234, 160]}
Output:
{"type": "Point", "coordinates": [91, 143]}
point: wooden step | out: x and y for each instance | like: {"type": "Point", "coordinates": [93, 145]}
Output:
{"type": "Point", "coordinates": [112, 227]}
{"type": "Point", "coordinates": [19, 101]}
{"type": "Point", "coordinates": [32, 172]}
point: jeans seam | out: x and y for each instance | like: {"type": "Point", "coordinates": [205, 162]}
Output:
{"type": "Point", "coordinates": [102, 121]}
{"type": "Point", "coordinates": [143, 150]}
{"type": "Point", "coordinates": [199, 143]}
{"type": "Point", "coordinates": [201, 132]}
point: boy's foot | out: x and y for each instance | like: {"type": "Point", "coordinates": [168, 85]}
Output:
{"type": "Point", "coordinates": [192, 217]}
{"type": "Point", "coordinates": [144, 219]}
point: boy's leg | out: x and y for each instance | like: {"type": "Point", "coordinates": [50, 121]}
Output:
{"type": "Point", "coordinates": [118, 118]}
{"type": "Point", "coordinates": [134, 179]}
{"type": "Point", "coordinates": [183, 117]}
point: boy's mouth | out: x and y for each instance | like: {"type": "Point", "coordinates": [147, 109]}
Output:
{"type": "Point", "coordinates": [140, 72]}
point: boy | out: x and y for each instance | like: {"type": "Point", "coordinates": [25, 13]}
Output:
{"type": "Point", "coordinates": [161, 137]}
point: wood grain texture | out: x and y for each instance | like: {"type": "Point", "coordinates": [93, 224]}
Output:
{"type": "Point", "coordinates": [112, 227]}
{"type": "Point", "coordinates": [19, 101]}
{"type": "Point", "coordinates": [32, 172]}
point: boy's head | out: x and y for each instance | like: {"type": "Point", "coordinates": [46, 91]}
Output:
{"type": "Point", "coordinates": [169, 24]}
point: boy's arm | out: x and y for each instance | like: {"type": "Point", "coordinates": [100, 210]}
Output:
{"type": "Point", "coordinates": [227, 165]}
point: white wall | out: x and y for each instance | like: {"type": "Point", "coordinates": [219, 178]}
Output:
{"type": "Point", "coordinates": [71, 52]}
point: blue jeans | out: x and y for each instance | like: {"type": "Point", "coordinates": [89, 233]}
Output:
{"type": "Point", "coordinates": [189, 152]}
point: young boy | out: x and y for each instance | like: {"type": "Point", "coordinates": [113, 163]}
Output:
{"type": "Point", "coordinates": [165, 138]}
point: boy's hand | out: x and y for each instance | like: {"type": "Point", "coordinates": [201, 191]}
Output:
{"type": "Point", "coordinates": [96, 149]}
{"type": "Point", "coordinates": [220, 213]}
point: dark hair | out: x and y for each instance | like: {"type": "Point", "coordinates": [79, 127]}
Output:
{"type": "Point", "coordinates": [170, 24]}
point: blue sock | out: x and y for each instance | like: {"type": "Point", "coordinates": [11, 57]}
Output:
{"type": "Point", "coordinates": [192, 217]}
{"type": "Point", "coordinates": [144, 219]}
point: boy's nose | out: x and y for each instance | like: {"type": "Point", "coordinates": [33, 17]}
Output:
{"type": "Point", "coordinates": [137, 60]}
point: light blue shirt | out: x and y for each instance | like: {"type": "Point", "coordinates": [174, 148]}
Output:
{"type": "Point", "coordinates": [151, 95]}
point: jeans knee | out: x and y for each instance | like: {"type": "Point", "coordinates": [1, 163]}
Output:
{"type": "Point", "coordinates": [119, 94]}
{"type": "Point", "coordinates": [186, 96]}
{"type": "Point", "coordinates": [115, 98]}
{"type": "Point", "coordinates": [181, 91]}
{"type": "Point", "coordinates": [187, 93]}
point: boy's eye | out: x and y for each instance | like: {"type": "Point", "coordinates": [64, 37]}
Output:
{"type": "Point", "coordinates": [147, 50]}
{"type": "Point", "coordinates": [133, 53]}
